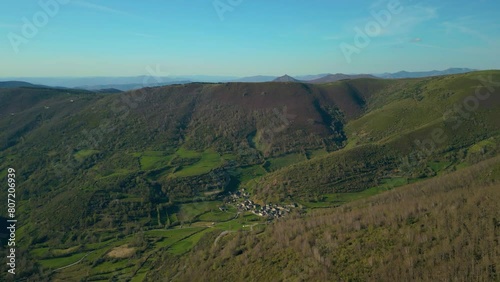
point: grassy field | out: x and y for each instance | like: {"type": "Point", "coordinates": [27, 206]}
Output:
{"type": "Point", "coordinates": [61, 261]}
{"type": "Point", "coordinates": [175, 241]}
{"type": "Point", "coordinates": [216, 216]}
{"type": "Point", "coordinates": [438, 166]}
{"type": "Point", "coordinates": [316, 153]}
{"type": "Point", "coordinates": [484, 145]}
{"type": "Point", "coordinates": [40, 252]}
{"type": "Point", "coordinates": [209, 161]}
{"type": "Point", "coordinates": [190, 211]}
{"type": "Point", "coordinates": [157, 160]}
{"type": "Point", "coordinates": [186, 244]}
{"type": "Point", "coordinates": [154, 160]}
{"type": "Point", "coordinates": [139, 277]}
{"type": "Point", "coordinates": [336, 199]}
{"type": "Point", "coordinates": [281, 162]}
{"type": "Point", "coordinates": [188, 154]}
{"type": "Point", "coordinates": [82, 154]}
{"type": "Point", "coordinates": [250, 172]}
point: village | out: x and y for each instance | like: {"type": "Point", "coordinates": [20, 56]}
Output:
{"type": "Point", "coordinates": [240, 199]}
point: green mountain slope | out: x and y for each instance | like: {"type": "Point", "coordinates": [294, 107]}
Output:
{"type": "Point", "coordinates": [434, 230]}
{"type": "Point", "coordinates": [95, 171]}
{"type": "Point", "coordinates": [406, 138]}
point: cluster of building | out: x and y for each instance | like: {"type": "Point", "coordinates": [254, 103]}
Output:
{"type": "Point", "coordinates": [247, 205]}
{"type": "Point", "coordinates": [241, 200]}
{"type": "Point", "coordinates": [272, 211]}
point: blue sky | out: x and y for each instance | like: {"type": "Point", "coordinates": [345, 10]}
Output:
{"type": "Point", "coordinates": [250, 37]}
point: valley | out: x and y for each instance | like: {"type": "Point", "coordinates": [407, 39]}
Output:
{"type": "Point", "coordinates": [135, 186]}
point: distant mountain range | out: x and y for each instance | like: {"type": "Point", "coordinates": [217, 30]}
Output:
{"type": "Point", "coordinates": [17, 84]}
{"type": "Point", "coordinates": [22, 84]}
{"type": "Point", "coordinates": [136, 82]}
{"type": "Point", "coordinates": [257, 78]}
{"type": "Point", "coordinates": [311, 77]}
{"type": "Point", "coordinates": [339, 76]}
{"type": "Point", "coordinates": [130, 86]}
{"type": "Point", "coordinates": [405, 74]}
{"type": "Point", "coordinates": [327, 78]}
{"type": "Point", "coordinates": [120, 83]}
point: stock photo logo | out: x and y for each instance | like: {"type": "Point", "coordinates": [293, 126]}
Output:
{"type": "Point", "coordinates": [222, 7]}
{"type": "Point", "coordinates": [380, 19]}
{"type": "Point", "coordinates": [31, 26]}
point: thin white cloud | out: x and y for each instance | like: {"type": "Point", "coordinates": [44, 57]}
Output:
{"type": "Point", "coordinates": [464, 26]}
{"type": "Point", "coordinates": [409, 19]}
{"type": "Point", "coordinates": [402, 24]}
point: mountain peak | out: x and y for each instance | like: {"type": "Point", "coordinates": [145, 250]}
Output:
{"type": "Point", "coordinates": [286, 78]}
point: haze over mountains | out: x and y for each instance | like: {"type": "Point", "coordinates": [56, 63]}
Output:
{"type": "Point", "coordinates": [137, 82]}
{"type": "Point", "coordinates": [405, 74]}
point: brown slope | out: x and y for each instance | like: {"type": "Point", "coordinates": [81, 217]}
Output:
{"type": "Point", "coordinates": [278, 117]}
{"type": "Point", "coordinates": [299, 98]}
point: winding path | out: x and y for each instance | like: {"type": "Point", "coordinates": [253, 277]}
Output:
{"type": "Point", "coordinates": [75, 263]}
{"type": "Point", "coordinates": [221, 235]}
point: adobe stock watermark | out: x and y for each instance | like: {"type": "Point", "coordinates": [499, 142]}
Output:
{"type": "Point", "coordinates": [373, 28]}
{"type": "Point", "coordinates": [221, 7]}
{"type": "Point", "coordinates": [455, 117]}
{"type": "Point", "coordinates": [31, 26]}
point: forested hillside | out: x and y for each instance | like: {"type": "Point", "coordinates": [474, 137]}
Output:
{"type": "Point", "coordinates": [120, 184]}
{"type": "Point", "coordinates": [446, 228]}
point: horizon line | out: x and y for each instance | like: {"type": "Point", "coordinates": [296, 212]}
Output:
{"type": "Point", "coordinates": [236, 76]}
